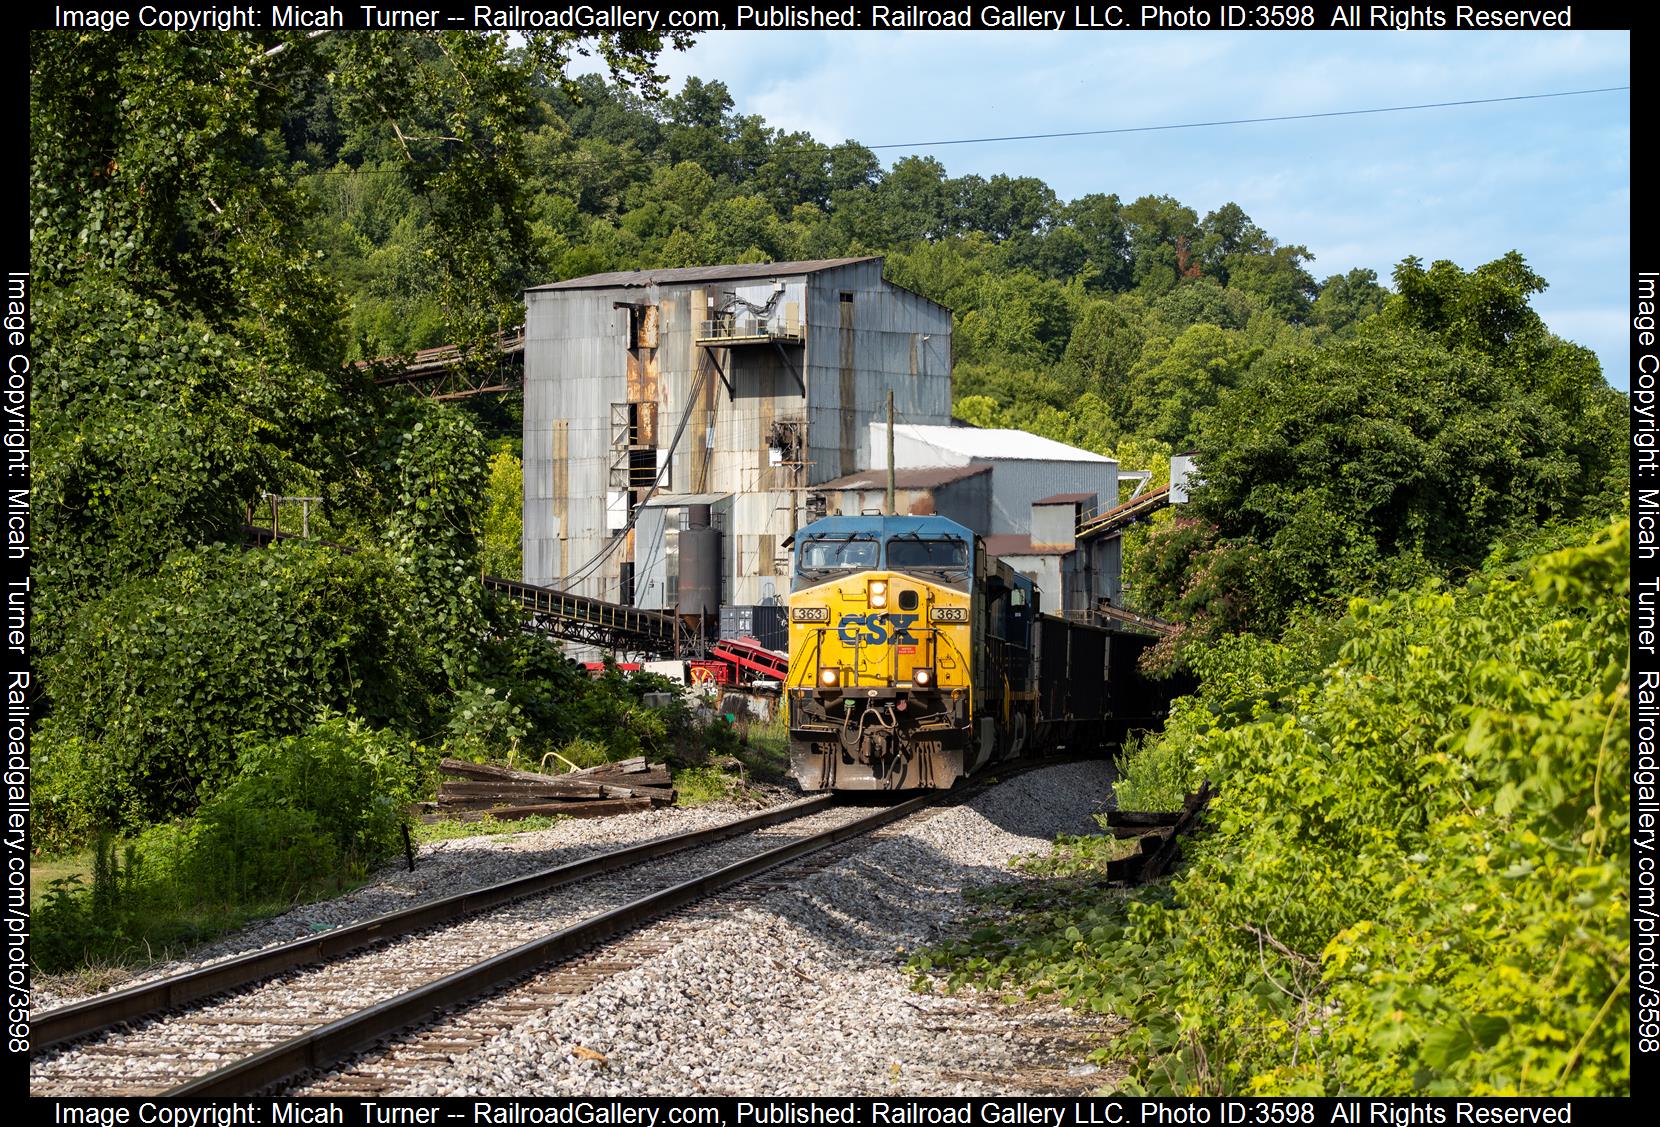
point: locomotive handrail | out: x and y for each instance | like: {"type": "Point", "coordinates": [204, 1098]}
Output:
{"type": "Point", "coordinates": [962, 657]}
{"type": "Point", "coordinates": [818, 639]}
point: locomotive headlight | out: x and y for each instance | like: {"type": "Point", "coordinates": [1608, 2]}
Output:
{"type": "Point", "coordinates": [878, 593]}
{"type": "Point", "coordinates": [947, 614]}
{"type": "Point", "coordinates": [809, 614]}
{"type": "Point", "coordinates": [829, 678]}
{"type": "Point", "coordinates": [922, 678]}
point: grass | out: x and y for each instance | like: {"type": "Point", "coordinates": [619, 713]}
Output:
{"type": "Point", "coordinates": [764, 749]}
{"type": "Point", "coordinates": [695, 786]}
{"type": "Point", "coordinates": [149, 917]}
{"type": "Point", "coordinates": [758, 756]}
{"type": "Point", "coordinates": [44, 870]}
{"type": "Point", "coordinates": [155, 922]}
{"type": "Point", "coordinates": [151, 932]}
{"type": "Point", "coordinates": [81, 947]}
{"type": "Point", "coordinates": [452, 828]}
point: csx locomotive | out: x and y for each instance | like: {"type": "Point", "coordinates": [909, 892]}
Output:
{"type": "Point", "coordinates": [916, 658]}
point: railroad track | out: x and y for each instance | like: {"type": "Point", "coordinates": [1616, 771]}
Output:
{"type": "Point", "coordinates": [388, 1069]}
{"type": "Point", "coordinates": [250, 1023]}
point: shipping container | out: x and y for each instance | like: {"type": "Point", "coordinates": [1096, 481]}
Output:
{"type": "Point", "coordinates": [766, 623]}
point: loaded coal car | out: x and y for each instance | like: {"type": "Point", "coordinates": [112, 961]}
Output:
{"type": "Point", "coordinates": [916, 658]}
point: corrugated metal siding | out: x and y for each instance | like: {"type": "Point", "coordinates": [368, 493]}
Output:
{"type": "Point", "coordinates": [1109, 566]}
{"type": "Point", "coordinates": [577, 365]}
{"type": "Point", "coordinates": [888, 324]}
{"type": "Point", "coordinates": [1016, 483]}
{"type": "Point", "coordinates": [651, 559]}
{"type": "Point", "coordinates": [575, 368]}
{"type": "Point", "coordinates": [1054, 525]}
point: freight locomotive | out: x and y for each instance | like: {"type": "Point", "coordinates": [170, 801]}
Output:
{"type": "Point", "coordinates": [916, 658]}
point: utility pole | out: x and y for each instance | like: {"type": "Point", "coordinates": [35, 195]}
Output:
{"type": "Point", "coordinates": [890, 452]}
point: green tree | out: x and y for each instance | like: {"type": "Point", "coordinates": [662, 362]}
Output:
{"type": "Point", "coordinates": [1174, 380]}
{"type": "Point", "coordinates": [1483, 311]}
{"type": "Point", "coordinates": [1163, 233]}
{"type": "Point", "coordinates": [1348, 299]}
{"type": "Point", "coordinates": [193, 350]}
{"type": "Point", "coordinates": [1363, 465]}
{"type": "Point", "coordinates": [1276, 279]}
{"type": "Point", "coordinates": [1098, 221]}
{"type": "Point", "coordinates": [1102, 351]}
{"type": "Point", "coordinates": [503, 516]}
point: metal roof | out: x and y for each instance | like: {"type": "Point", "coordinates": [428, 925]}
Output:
{"type": "Point", "coordinates": [672, 275]}
{"type": "Point", "coordinates": [990, 443]}
{"type": "Point", "coordinates": [920, 477]}
{"type": "Point", "coordinates": [1065, 499]}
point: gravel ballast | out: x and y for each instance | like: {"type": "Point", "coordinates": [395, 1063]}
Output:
{"type": "Point", "coordinates": [803, 990]}
{"type": "Point", "coordinates": [442, 869]}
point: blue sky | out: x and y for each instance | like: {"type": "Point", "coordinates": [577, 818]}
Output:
{"type": "Point", "coordinates": [1549, 178]}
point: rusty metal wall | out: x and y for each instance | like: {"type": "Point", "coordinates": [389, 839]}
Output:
{"type": "Point", "coordinates": [575, 368]}
{"type": "Point", "coordinates": [888, 327]}
{"type": "Point", "coordinates": [583, 354]}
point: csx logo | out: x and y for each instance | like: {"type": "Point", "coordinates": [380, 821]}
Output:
{"type": "Point", "coordinates": [877, 629]}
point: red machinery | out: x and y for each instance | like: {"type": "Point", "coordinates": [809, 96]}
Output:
{"type": "Point", "coordinates": [750, 660]}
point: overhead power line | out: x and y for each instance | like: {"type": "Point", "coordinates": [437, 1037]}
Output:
{"type": "Point", "coordinates": [1247, 120]}
{"type": "Point", "coordinates": [613, 159]}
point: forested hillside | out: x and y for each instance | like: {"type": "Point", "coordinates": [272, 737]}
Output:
{"type": "Point", "coordinates": [1355, 437]}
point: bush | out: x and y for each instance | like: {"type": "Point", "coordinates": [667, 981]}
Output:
{"type": "Point", "coordinates": [1416, 878]}
{"type": "Point", "coordinates": [531, 700]}
{"type": "Point", "coordinates": [303, 816]}
{"type": "Point", "coordinates": [1241, 677]}
{"type": "Point", "coordinates": [165, 678]}
{"type": "Point", "coordinates": [326, 805]}
{"type": "Point", "coordinates": [73, 791]}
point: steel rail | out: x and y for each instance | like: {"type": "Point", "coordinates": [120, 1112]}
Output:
{"type": "Point", "coordinates": [92, 1015]}
{"type": "Point", "coordinates": [321, 1047]}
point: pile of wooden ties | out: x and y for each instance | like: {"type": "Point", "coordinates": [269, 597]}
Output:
{"type": "Point", "coordinates": [1157, 830]}
{"type": "Point", "coordinates": [473, 791]}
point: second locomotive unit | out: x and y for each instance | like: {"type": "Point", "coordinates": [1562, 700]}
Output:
{"type": "Point", "coordinates": [916, 658]}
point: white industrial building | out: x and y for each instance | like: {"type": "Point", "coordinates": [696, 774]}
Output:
{"type": "Point", "coordinates": [1038, 492]}
{"type": "Point", "coordinates": [1025, 467]}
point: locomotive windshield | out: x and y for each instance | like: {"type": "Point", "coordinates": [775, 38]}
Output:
{"type": "Point", "coordinates": [934, 553]}
{"type": "Point", "coordinates": [853, 553]}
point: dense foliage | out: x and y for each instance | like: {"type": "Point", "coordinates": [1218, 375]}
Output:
{"type": "Point", "coordinates": [164, 678]}
{"type": "Point", "coordinates": [1448, 422]}
{"type": "Point", "coordinates": [302, 816]}
{"type": "Point", "coordinates": [503, 517]}
{"type": "Point", "coordinates": [192, 345]}
{"type": "Point", "coordinates": [1416, 876]}
{"type": "Point", "coordinates": [221, 224]}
